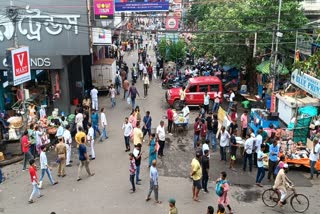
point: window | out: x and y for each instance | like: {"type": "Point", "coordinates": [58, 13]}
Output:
{"type": "Point", "coordinates": [214, 88]}
{"type": "Point", "coordinates": [203, 88]}
{"type": "Point", "coordinates": [193, 88]}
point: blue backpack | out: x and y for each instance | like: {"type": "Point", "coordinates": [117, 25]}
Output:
{"type": "Point", "coordinates": [219, 189]}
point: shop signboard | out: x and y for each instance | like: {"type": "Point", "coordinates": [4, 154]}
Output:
{"type": "Point", "coordinates": [47, 27]}
{"type": "Point", "coordinates": [101, 36]}
{"type": "Point", "coordinates": [103, 9]}
{"type": "Point", "coordinates": [141, 5]}
{"type": "Point", "coordinates": [306, 82]}
{"type": "Point", "coordinates": [20, 65]}
{"type": "Point", "coordinates": [172, 23]}
{"type": "Point", "coordinates": [41, 62]}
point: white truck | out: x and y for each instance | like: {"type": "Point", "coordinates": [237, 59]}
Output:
{"type": "Point", "coordinates": [103, 73]}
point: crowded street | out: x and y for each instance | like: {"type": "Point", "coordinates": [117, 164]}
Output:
{"type": "Point", "coordinates": [109, 189]}
{"type": "Point", "coordinates": [171, 106]}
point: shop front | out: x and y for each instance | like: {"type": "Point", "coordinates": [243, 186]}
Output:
{"type": "Point", "coordinates": [58, 41]}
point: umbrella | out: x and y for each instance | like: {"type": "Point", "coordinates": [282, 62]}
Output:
{"type": "Point", "coordinates": [264, 68]}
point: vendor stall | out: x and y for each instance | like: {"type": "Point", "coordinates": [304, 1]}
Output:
{"type": "Point", "coordinates": [288, 104]}
{"type": "Point", "coordinates": [262, 118]}
{"type": "Point", "coordinates": [180, 122]}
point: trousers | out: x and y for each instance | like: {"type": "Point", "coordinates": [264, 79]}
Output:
{"type": "Point", "coordinates": [26, 157]}
{"type": "Point", "coordinates": [62, 167]}
{"type": "Point", "coordinates": [145, 89]}
{"type": "Point", "coordinates": [205, 179]}
{"type": "Point", "coordinates": [82, 164]}
{"type": "Point", "coordinates": [161, 147]}
{"type": "Point", "coordinates": [68, 146]}
{"type": "Point", "coordinates": [35, 191]}
{"type": "Point", "coordinates": [93, 154]}
{"type": "Point", "coordinates": [153, 188]}
{"type": "Point", "coordinates": [43, 171]}
{"type": "Point", "coordinates": [260, 175]}
{"type": "Point", "coordinates": [245, 158]}
{"type": "Point", "coordinates": [137, 174]}
{"type": "Point", "coordinates": [95, 104]}
{"type": "Point", "coordinates": [170, 122]}
{"type": "Point", "coordinates": [132, 182]}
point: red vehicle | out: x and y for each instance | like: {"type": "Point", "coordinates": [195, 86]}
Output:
{"type": "Point", "coordinates": [195, 89]}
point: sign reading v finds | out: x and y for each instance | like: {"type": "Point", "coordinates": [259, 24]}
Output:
{"type": "Point", "coordinates": [20, 65]}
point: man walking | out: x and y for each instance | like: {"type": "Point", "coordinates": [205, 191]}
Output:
{"type": "Point", "coordinates": [147, 120]}
{"type": "Point", "coordinates": [103, 124]}
{"type": "Point", "coordinates": [25, 144]}
{"type": "Point", "coordinates": [244, 123]}
{"type": "Point", "coordinates": [45, 167]}
{"type": "Point", "coordinates": [196, 176]}
{"type": "Point", "coordinates": [161, 136]}
{"type": "Point", "coordinates": [94, 98]}
{"type": "Point", "coordinates": [91, 141]}
{"type": "Point", "coordinates": [196, 131]}
{"type": "Point", "coordinates": [61, 151]}
{"type": "Point", "coordinates": [34, 181]}
{"type": "Point", "coordinates": [133, 92]}
{"type": "Point", "coordinates": [170, 120]}
{"type": "Point", "coordinates": [248, 147]}
{"type": "Point", "coordinates": [137, 156]}
{"type": "Point", "coordinates": [137, 135]}
{"type": "Point", "coordinates": [132, 171]}
{"type": "Point", "coordinates": [261, 171]}
{"type": "Point", "coordinates": [154, 185]}
{"type": "Point", "coordinates": [126, 85]}
{"type": "Point", "coordinates": [274, 149]}
{"type": "Point", "coordinates": [95, 122]}
{"type": "Point", "coordinates": [68, 141]}
{"type": "Point", "coordinates": [127, 128]}
{"type": "Point", "coordinates": [146, 83]}
{"type": "Point", "coordinates": [314, 157]}
{"type": "Point", "coordinates": [84, 159]}
{"type": "Point", "coordinates": [113, 92]}
{"type": "Point", "coordinates": [205, 170]}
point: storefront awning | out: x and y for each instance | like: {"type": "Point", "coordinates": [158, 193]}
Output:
{"type": "Point", "coordinates": [264, 68]}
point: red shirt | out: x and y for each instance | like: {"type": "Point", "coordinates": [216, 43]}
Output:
{"type": "Point", "coordinates": [170, 114]}
{"type": "Point", "coordinates": [33, 173]}
{"type": "Point", "coordinates": [24, 144]}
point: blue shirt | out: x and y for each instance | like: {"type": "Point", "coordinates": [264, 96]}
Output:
{"type": "Point", "coordinates": [82, 150]}
{"type": "Point", "coordinates": [275, 150]}
{"type": "Point", "coordinates": [60, 131]}
{"type": "Point", "coordinates": [154, 175]}
{"type": "Point", "coordinates": [147, 121]}
{"type": "Point", "coordinates": [95, 119]}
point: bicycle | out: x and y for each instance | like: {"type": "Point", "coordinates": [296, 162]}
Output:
{"type": "Point", "coordinates": [271, 198]}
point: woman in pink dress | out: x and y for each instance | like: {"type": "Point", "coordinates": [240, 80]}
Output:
{"type": "Point", "coordinates": [133, 119]}
{"type": "Point", "coordinates": [224, 199]}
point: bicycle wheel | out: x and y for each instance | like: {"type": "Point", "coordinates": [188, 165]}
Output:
{"type": "Point", "coordinates": [299, 202]}
{"type": "Point", "coordinates": [270, 198]}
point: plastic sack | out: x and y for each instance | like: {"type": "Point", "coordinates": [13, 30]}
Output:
{"type": "Point", "coordinates": [129, 100]}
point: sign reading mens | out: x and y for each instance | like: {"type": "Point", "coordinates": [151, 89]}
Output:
{"type": "Point", "coordinates": [20, 65]}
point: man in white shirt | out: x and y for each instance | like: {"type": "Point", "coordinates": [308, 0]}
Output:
{"type": "Point", "coordinates": [141, 67]}
{"type": "Point", "coordinates": [68, 141]}
{"type": "Point", "coordinates": [44, 167]}
{"type": "Point", "coordinates": [257, 143]}
{"type": "Point", "coordinates": [79, 119]}
{"type": "Point", "coordinates": [186, 112]}
{"type": "Point", "coordinates": [231, 99]}
{"type": "Point", "coordinates": [314, 157]}
{"type": "Point", "coordinates": [146, 83]}
{"type": "Point", "coordinates": [127, 127]}
{"type": "Point", "coordinates": [94, 98]}
{"type": "Point", "coordinates": [161, 136]}
{"type": "Point", "coordinates": [90, 137]}
{"type": "Point", "coordinates": [248, 147]}
{"type": "Point", "coordinates": [103, 121]}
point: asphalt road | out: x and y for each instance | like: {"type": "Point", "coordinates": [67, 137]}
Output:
{"type": "Point", "coordinates": [108, 191]}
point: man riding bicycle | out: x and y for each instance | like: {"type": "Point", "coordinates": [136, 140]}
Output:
{"type": "Point", "coordinates": [282, 182]}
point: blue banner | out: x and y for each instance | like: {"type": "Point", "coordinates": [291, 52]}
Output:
{"type": "Point", "coordinates": [141, 5]}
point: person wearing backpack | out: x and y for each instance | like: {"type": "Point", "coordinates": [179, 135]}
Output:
{"type": "Point", "coordinates": [222, 189]}
{"type": "Point", "coordinates": [133, 94]}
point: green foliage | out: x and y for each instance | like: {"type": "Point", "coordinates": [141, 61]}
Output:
{"type": "Point", "coordinates": [171, 51]}
{"type": "Point", "coordinates": [237, 19]}
{"type": "Point", "coordinates": [310, 66]}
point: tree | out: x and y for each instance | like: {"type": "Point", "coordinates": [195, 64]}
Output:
{"type": "Point", "coordinates": [171, 51]}
{"type": "Point", "coordinates": [229, 30]}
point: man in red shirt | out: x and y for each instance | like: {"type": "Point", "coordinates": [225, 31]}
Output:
{"type": "Point", "coordinates": [170, 120]}
{"type": "Point", "coordinates": [25, 145]}
{"type": "Point", "coordinates": [34, 181]}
